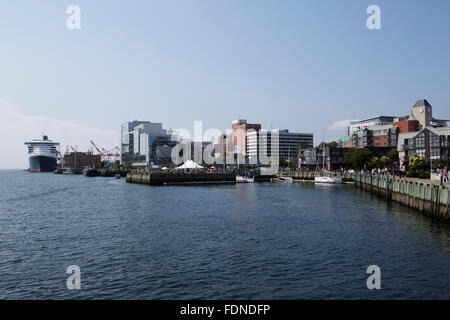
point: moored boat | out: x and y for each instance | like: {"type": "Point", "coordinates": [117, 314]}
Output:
{"type": "Point", "coordinates": [286, 179]}
{"type": "Point", "coordinates": [68, 172]}
{"type": "Point", "coordinates": [332, 180]}
{"type": "Point", "coordinates": [244, 179]}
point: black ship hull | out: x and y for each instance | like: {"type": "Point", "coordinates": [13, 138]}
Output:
{"type": "Point", "coordinates": [42, 164]}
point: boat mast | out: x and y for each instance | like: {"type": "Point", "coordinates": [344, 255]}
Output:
{"type": "Point", "coordinates": [323, 152]}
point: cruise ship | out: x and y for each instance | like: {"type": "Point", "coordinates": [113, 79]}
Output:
{"type": "Point", "coordinates": [42, 155]}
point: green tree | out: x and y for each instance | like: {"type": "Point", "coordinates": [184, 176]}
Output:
{"type": "Point", "coordinates": [376, 163]}
{"type": "Point", "coordinates": [331, 144]}
{"type": "Point", "coordinates": [358, 157]}
{"type": "Point", "coordinates": [417, 162]}
{"type": "Point", "coordinates": [386, 161]}
{"type": "Point", "coordinates": [392, 156]}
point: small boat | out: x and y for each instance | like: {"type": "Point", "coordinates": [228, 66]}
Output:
{"type": "Point", "coordinates": [332, 180]}
{"type": "Point", "coordinates": [68, 171]}
{"type": "Point", "coordinates": [244, 179]}
{"type": "Point", "coordinates": [117, 176]}
{"type": "Point", "coordinates": [327, 177]}
{"type": "Point", "coordinates": [286, 179]}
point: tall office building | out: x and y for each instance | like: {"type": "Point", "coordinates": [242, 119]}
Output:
{"type": "Point", "coordinates": [261, 141]}
{"type": "Point", "coordinates": [239, 129]}
{"type": "Point", "coordinates": [143, 142]}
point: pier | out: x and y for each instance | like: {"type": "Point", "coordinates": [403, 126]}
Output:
{"type": "Point", "coordinates": [171, 178]}
{"type": "Point", "coordinates": [426, 196]}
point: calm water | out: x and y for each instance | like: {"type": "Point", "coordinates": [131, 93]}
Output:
{"type": "Point", "coordinates": [261, 241]}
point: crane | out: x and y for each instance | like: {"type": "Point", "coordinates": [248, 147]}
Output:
{"type": "Point", "coordinates": [107, 155]}
{"type": "Point", "coordinates": [96, 148]}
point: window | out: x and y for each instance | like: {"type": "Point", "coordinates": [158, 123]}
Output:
{"type": "Point", "coordinates": [420, 140]}
{"type": "Point", "coordinates": [434, 140]}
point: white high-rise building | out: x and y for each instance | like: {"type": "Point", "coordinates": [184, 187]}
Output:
{"type": "Point", "coordinates": [140, 140]}
{"type": "Point", "coordinates": [261, 141]}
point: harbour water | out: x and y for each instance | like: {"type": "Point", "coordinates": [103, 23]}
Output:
{"type": "Point", "coordinates": [244, 241]}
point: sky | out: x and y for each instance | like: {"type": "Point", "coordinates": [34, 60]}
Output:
{"type": "Point", "coordinates": [300, 65]}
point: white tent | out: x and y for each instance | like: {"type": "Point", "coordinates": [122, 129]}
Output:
{"type": "Point", "coordinates": [190, 165]}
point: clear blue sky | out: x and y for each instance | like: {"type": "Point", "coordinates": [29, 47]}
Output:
{"type": "Point", "coordinates": [293, 64]}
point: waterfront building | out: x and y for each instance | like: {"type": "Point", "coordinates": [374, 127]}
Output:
{"type": "Point", "coordinates": [287, 145]}
{"type": "Point", "coordinates": [142, 142]}
{"type": "Point", "coordinates": [334, 157]}
{"type": "Point", "coordinates": [239, 129]}
{"type": "Point", "coordinates": [355, 140]}
{"type": "Point", "coordinates": [380, 137]}
{"type": "Point", "coordinates": [384, 131]}
{"type": "Point", "coordinates": [422, 134]}
{"type": "Point", "coordinates": [406, 124]}
{"type": "Point", "coordinates": [423, 112]}
{"type": "Point", "coordinates": [432, 143]}
{"type": "Point", "coordinates": [81, 160]}
{"type": "Point", "coordinates": [360, 125]}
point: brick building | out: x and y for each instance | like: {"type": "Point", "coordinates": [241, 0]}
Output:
{"type": "Point", "coordinates": [82, 160]}
{"type": "Point", "coordinates": [239, 129]}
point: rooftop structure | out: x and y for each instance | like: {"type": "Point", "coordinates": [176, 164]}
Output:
{"type": "Point", "coordinates": [360, 125]}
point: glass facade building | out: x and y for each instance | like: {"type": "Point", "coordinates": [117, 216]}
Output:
{"type": "Point", "coordinates": [144, 142]}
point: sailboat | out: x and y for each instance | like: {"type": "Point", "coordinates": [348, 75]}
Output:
{"type": "Point", "coordinates": [331, 178]}
{"type": "Point", "coordinates": [242, 178]}
{"type": "Point", "coordinates": [286, 178]}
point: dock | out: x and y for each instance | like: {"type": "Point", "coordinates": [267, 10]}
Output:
{"type": "Point", "coordinates": [172, 178]}
{"type": "Point", "coordinates": [426, 196]}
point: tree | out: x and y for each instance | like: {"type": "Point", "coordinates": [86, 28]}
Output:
{"type": "Point", "coordinates": [331, 144]}
{"type": "Point", "coordinates": [377, 163]}
{"type": "Point", "coordinates": [386, 161]}
{"type": "Point", "coordinates": [417, 162]}
{"type": "Point", "coordinates": [392, 156]}
{"type": "Point", "coordinates": [357, 157]}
